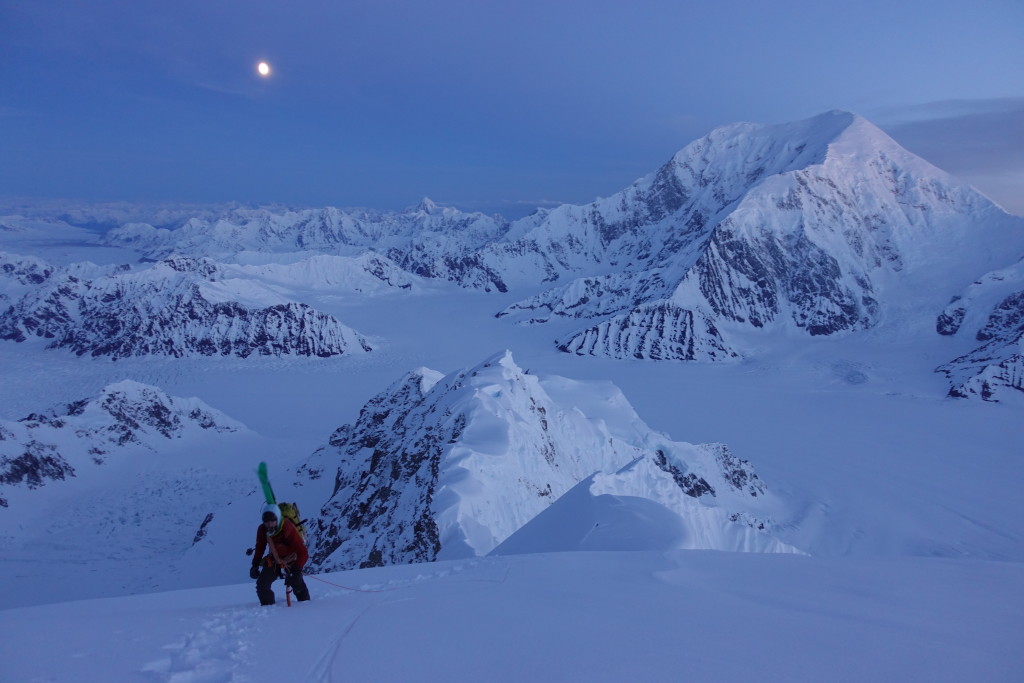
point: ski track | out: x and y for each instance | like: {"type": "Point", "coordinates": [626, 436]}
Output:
{"type": "Point", "coordinates": [323, 669]}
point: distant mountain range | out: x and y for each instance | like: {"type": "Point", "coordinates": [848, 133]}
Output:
{"type": "Point", "coordinates": [821, 227]}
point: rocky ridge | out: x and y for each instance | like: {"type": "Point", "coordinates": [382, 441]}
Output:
{"type": "Point", "coordinates": [178, 307]}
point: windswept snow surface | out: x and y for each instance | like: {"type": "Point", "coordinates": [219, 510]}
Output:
{"type": "Point", "coordinates": [620, 616]}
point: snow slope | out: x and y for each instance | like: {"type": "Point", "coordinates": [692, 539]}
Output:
{"type": "Point", "coordinates": [585, 616]}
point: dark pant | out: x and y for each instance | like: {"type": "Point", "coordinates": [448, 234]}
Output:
{"type": "Point", "coordinates": [292, 577]}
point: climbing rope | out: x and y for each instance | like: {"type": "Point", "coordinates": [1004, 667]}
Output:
{"type": "Point", "coordinates": [338, 585]}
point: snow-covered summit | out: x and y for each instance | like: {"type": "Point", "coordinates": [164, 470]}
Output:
{"type": "Point", "coordinates": [428, 206]}
{"type": "Point", "coordinates": [824, 227]}
{"type": "Point", "coordinates": [753, 233]}
{"type": "Point", "coordinates": [450, 467]}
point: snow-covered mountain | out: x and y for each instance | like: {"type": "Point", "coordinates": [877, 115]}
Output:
{"type": "Point", "coordinates": [178, 307]}
{"type": "Point", "coordinates": [103, 495]}
{"type": "Point", "coordinates": [60, 444]}
{"type": "Point", "coordinates": [451, 467]}
{"type": "Point", "coordinates": [824, 226]}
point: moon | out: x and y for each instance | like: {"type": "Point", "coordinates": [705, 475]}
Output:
{"type": "Point", "coordinates": [263, 68]}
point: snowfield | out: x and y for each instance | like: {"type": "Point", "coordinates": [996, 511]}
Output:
{"type": "Point", "coordinates": [599, 616]}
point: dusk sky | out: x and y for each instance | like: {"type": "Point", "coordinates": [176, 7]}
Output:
{"type": "Point", "coordinates": [483, 105]}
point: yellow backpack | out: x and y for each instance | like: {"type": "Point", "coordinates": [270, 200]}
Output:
{"type": "Point", "coordinates": [290, 511]}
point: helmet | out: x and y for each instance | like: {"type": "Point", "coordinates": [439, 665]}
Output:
{"type": "Point", "coordinates": [270, 510]}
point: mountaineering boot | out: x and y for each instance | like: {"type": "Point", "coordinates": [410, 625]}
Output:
{"type": "Point", "coordinates": [263, 590]}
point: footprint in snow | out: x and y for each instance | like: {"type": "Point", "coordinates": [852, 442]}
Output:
{"type": "Point", "coordinates": [217, 651]}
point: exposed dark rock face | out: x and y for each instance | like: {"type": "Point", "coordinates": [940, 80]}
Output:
{"type": "Point", "coordinates": [202, 531]}
{"type": "Point", "coordinates": [736, 472]}
{"type": "Point", "coordinates": [750, 281]}
{"type": "Point", "coordinates": [995, 368]}
{"type": "Point", "coordinates": [1006, 319]}
{"type": "Point", "coordinates": [464, 267]}
{"type": "Point", "coordinates": [655, 332]}
{"type": "Point", "coordinates": [38, 464]}
{"type": "Point", "coordinates": [381, 505]}
{"type": "Point", "coordinates": [136, 407]}
{"type": "Point", "coordinates": [688, 482]}
{"type": "Point", "coordinates": [25, 270]}
{"type": "Point", "coordinates": [948, 323]}
{"type": "Point", "coordinates": [739, 473]}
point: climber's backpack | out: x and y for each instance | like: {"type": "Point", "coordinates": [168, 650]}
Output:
{"type": "Point", "coordinates": [290, 511]}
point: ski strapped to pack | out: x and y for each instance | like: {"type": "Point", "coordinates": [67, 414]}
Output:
{"type": "Point", "coordinates": [289, 511]}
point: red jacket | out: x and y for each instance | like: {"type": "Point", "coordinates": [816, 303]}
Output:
{"type": "Point", "coordinates": [286, 541]}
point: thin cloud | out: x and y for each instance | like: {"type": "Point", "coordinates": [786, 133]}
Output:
{"type": "Point", "coordinates": [945, 109]}
{"type": "Point", "coordinates": [980, 141]}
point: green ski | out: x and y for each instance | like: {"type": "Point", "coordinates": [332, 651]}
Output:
{"type": "Point", "coordinates": [268, 492]}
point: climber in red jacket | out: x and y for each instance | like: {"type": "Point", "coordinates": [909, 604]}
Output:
{"type": "Point", "coordinates": [287, 557]}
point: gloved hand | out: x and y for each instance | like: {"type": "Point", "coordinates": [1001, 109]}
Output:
{"type": "Point", "coordinates": [254, 572]}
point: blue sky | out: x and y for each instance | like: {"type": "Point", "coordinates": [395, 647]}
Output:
{"type": "Point", "coordinates": [494, 106]}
